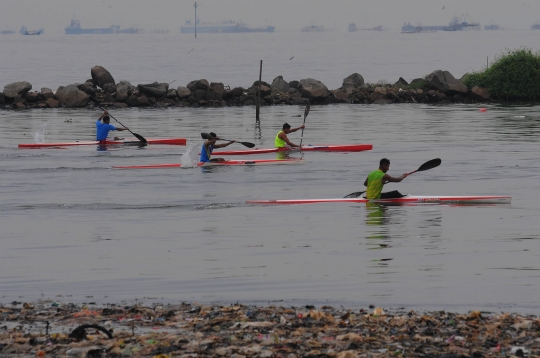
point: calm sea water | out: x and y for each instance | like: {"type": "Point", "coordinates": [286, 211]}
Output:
{"type": "Point", "coordinates": [73, 226]}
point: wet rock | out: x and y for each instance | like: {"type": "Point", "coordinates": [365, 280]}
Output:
{"type": "Point", "coordinates": [155, 89]}
{"type": "Point", "coordinates": [341, 96]}
{"type": "Point", "coordinates": [71, 96]}
{"type": "Point", "coordinates": [172, 94]}
{"type": "Point", "coordinates": [101, 77]}
{"type": "Point", "coordinates": [52, 103]}
{"type": "Point", "coordinates": [215, 92]}
{"type": "Point", "coordinates": [200, 95]}
{"type": "Point", "coordinates": [109, 88]}
{"type": "Point", "coordinates": [33, 97]}
{"type": "Point", "coordinates": [120, 105]}
{"type": "Point", "coordinates": [313, 89]}
{"type": "Point", "coordinates": [47, 93]}
{"type": "Point", "coordinates": [444, 82]}
{"type": "Point", "coordinates": [183, 92]}
{"type": "Point", "coordinates": [355, 81]}
{"type": "Point", "coordinates": [17, 89]}
{"type": "Point", "coordinates": [88, 88]}
{"type": "Point", "coordinates": [138, 101]}
{"type": "Point", "coordinates": [295, 84]}
{"type": "Point", "coordinates": [419, 83]}
{"type": "Point", "coordinates": [279, 85]}
{"type": "Point", "coordinates": [2, 99]}
{"type": "Point", "coordinates": [124, 90]}
{"type": "Point", "coordinates": [379, 93]}
{"type": "Point", "coordinates": [201, 84]}
{"type": "Point", "coordinates": [401, 83]}
{"type": "Point", "coordinates": [480, 93]}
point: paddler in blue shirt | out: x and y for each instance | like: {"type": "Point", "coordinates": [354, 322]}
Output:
{"type": "Point", "coordinates": [376, 180]}
{"type": "Point", "coordinates": [102, 129]}
{"type": "Point", "coordinates": [209, 145]}
{"type": "Point", "coordinates": [282, 140]}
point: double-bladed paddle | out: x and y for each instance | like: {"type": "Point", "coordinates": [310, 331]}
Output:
{"type": "Point", "coordinates": [139, 137]}
{"type": "Point", "coordinates": [208, 136]}
{"type": "Point", "coordinates": [306, 112]}
{"type": "Point", "coordinates": [430, 164]}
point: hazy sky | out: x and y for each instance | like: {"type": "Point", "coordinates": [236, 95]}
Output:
{"type": "Point", "coordinates": [54, 15]}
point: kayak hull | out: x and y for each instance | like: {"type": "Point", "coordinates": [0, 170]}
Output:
{"type": "Point", "coordinates": [218, 164]}
{"type": "Point", "coordinates": [168, 141]}
{"type": "Point", "coordinates": [309, 148]}
{"type": "Point", "coordinates": [409, 199]}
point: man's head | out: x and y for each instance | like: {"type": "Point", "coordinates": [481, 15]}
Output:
{"type": "Point", "coordinates": [384, 165]}
{"type": "Point", "coordinates": [286, 127]}
{"type": "Point", "coordinates": [106, 119]}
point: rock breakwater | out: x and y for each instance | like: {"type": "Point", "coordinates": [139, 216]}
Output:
{"type": "Point", "coordinates": [437, 87]}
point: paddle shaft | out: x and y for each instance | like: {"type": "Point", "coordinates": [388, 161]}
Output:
{"type": "Point", "coordinates": [306, 111]}
{"type": "Point", "coordinates": [245, 144]}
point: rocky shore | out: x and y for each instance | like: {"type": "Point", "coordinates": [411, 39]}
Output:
{"type": "Point", "coordinates": [47, 329]}
{"type": "Point", "coordinates": [437, 87]}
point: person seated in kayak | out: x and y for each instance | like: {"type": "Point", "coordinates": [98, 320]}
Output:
{"type": "Point", "coordinates": [376, 180]}
{"type": "Point", "coordinates": [209, 145]}
{"type": "Point", "coordinates": [282, 140]}
{"type": "Point", "coordinates": [103, 128]}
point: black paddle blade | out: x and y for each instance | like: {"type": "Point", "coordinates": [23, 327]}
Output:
{"type": "Point", "coordinates": [433, 163]}
{"type": "Point", "coordinates": [247, 144]}
{"type": "Point", "coordinates": [306, 111]}
{"type": "Point", "coordinates": [140, 137]}
{"type": "Point", "coordinates": [205, 135]}
{"type": "Point", "coordinates": [356, 194]}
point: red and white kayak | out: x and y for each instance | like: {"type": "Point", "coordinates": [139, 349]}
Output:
{"type": "Point", "coordinates": [170, 141]}
{"type": "Point", "coordinates": [408, 199]}
{"type": "Point", "coordinates": [217, 164]}
{"type": "Point", "coordinates": [307, 148]}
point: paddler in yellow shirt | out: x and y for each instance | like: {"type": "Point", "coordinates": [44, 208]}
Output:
{"type": "Point", "coordinates": [282, 140]}
{"type": "Point", "coordinates": [376, 180]}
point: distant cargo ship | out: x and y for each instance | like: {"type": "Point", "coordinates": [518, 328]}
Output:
{"type": "Point", "coordinates": [24, 31]}
{"type": "Point", "coordinates": [222, 27]}
{"type": "Point", "coordinates": [313, 28]}
{"type": "Point", "coordinates": [536, 26]}
{"type": "Point", "coordinates": [456, 24]}
{"type": "Point", "coordinates": [492, 27]}
{"type": "Point", "coordinates": [75, 29]}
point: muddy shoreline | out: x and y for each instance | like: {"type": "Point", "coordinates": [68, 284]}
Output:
{"type": "Point", "coordinates": [50, 328]}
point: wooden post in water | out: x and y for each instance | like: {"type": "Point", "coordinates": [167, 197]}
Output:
{"type": "Point", "coordinates": [257, 107]}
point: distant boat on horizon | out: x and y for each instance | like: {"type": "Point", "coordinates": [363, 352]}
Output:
{"type": "Point", "coordinates": [313, 28]}
{"type": "Point", "coordinates": [536, 26]}
{"type": "Point", "coordinates": [353, 28]}
{"type": "Point", "coordinates": [75, 29]}
{"type": "Point", "coordinates": [24, 31]}
{"type": "Point", "coordinates": [7, 32]}
{"type": "Point", "coordinates": [492, 27]}
{"type": "Point", "coordinates": [227, 26]}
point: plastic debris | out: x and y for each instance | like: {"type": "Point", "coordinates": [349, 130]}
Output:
{"type": "Point", "coordinates": [190, 330]}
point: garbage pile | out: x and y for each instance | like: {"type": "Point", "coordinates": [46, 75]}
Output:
{"type": "Point", "coordinates": [48, 328]}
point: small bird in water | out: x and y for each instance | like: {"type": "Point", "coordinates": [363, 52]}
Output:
{"type": "Point", "coordinates": [68, 120]}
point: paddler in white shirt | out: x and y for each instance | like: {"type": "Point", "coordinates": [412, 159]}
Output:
{"type": "Point", "coordinates": [282, 140]}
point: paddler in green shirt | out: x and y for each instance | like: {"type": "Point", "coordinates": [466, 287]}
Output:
{"type": "Point", "coordinates": [376, 180]}
{"type": "Point", "coordinates": [281, 138]}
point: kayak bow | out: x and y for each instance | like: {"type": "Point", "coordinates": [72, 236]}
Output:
{"type": "Point", "coordinates": [169, 141]}
{"type": "Point", "coordinates": [409, 199]}
{"type": "Point", "coordinates": [308, 148]}
{"type": "Point", "coordinates": [217, 164]}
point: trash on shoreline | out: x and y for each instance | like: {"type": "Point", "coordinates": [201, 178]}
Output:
{"type": "Point", "coordinates": [48, 328]}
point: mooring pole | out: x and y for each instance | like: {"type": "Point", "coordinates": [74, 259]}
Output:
{"type": "Point", "coordinates": [257, 110]}
{"type": "Point", "coordinates": [195, 6]}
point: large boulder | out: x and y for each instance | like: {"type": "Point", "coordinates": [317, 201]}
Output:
{"type": "Point", "coordinates": [138, 101]}
{"type": "Point", "coordinates": [379, 93]}
{"type": "Point", "coordinates": [101, 77]}
{"type": "Point", "coordinates": [215, 91]}
{"type": "Point", "coordinates": [124, 90]}
{"type": "Point", "coordinates": [88, 88]}
{"type": "Point", "coordinates": [480, 93]}
{"type": "Point", "coordinates": [47, 93]}
{"type": "Point", "coordinates": [313, 89]}
{"type": "Point", "coordinates": [201, 84]}
{"type": "Point", "coordinates": [52, 103]}
{"type": "Point", "coordinates": [355, 80]}
{"type": "Point", "coordinates": [155, 89]}
{"type": "Point", "coordinates": [71, 96]}
{"type": "Point", "coordinates": [183, 92]}
{"type": "Point", "coordinates": [444, 82]}
{"type": "Point", "coordinates": [279, 85]}
{"type": "Point", "coordinates": [17, 89]}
